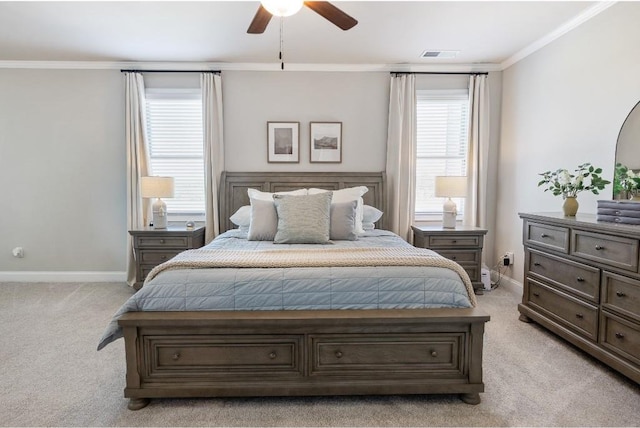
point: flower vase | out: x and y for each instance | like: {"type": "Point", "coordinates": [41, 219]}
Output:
{"type": "Point", "coordinates": [570, 206]}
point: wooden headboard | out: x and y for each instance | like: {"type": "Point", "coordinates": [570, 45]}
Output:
{"type": "Point", "coordinates": [234, 185]}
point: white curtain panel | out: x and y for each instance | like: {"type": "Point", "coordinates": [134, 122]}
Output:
{"type": "Point", "coordinates": [211, 84]}
{"type": "Point", "coordinates": [401, 155]}
{"type": "Point", "coordinates": [138, 209]}
{"type": "Point", "coordinates": [478, 158]}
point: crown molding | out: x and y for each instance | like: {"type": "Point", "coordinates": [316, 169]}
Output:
{"type": "Point", "coordinates": [208, 66]}
{"type": "Point", "coordinates": [557, 33]}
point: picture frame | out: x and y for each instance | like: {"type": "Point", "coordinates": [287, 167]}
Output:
{"type": "Point", "coordinates": [283, 142]}
{"type": "Point", "coordinates": [325, 142]}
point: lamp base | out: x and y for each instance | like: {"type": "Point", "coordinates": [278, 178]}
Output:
{"type": "Point", "coordinates": [159, 214]}
{"type": "Point", "coordinates": [449, 214]}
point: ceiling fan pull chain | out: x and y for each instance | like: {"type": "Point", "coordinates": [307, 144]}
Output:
{"type": "Point", "coordinates": [281, 42]}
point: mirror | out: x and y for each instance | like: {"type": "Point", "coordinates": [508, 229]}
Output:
{"type": "Point", "coordinates": [628, 145]}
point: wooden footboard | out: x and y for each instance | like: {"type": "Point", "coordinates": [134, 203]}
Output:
{"type": "Point", "coordinates": [290, 353]}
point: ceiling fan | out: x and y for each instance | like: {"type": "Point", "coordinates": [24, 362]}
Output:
{"type": "Point", "coordinates": [269, 8]}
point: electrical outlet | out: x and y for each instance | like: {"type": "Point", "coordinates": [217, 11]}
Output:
{"type": "Point", "coordinates": [507, 259]}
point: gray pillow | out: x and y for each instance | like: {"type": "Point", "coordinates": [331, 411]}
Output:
{"type": "Point", "coordinates": [264, 221]}
{"type": "Point", "coordinates": [343, 221]}
{"type": "Point", "coordinates": [303, 219]}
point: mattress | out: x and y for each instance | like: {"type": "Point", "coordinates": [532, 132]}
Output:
{"type": "Point", "coordinates": [299, 288]}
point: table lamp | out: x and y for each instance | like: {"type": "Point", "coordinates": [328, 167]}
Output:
{"type": "Point", "coordinates": [158, 187]}
{"type": "Point", "coordinates": [450, 187]}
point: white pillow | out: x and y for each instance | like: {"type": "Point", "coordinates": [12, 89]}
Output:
{"type": "Point", "coordinates": [264, 221]}
{"type": "Point", "coordinates": [346, 195]}
{"type": "Point", "coordinates": [371, 214]}
{"type": "Point", "coordinates": [242, 217]}
{"type": "Point", "coordinates": [267, 196]}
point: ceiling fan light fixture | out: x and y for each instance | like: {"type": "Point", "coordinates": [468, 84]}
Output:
{"type": "Point", "coordinates": [282, 7]}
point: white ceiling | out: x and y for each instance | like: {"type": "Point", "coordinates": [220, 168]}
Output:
{"type": "Point", "coordinates": [388, 32]}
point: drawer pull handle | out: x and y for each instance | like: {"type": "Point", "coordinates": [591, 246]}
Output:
{"type": "Point", "coordinates": [620, 335]}
{"type": "Point", "coordinates": [273, 355]}
{"type": "Point", "coordinates": [434, 354]}
{"type": "Point", "coordinates": [579, 316]}
{"type": "Point", "coordinates": [580, 279]}
{"type": "Point", "coordinates": [338, 354]}
{"type": "Point", "coordinates": [544, 235]}
{"type": "Point", "coordinates": [599, 247]}
{"type": "Point", "coordinates": [163, 257]}
{"type": "Point", "coordinates": [453, 257]}
{"type": "Point", "coordinates": [162, 241]}
{"type": "Point", "coordinates": [453, 241]}
{"type": "Point", "coordinates": [176, 356]}
{"type": "Point", "coordinates": [620, 294]}
{"type": "Point", "coordinates": [536, 264]}
{"type": "Point", "coordinates": [536, 294]}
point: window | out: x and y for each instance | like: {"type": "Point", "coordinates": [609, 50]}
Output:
{"type": "Point", "coordinates": [175, 138]}
{"type": "Point", "coordinates": [442, 126]}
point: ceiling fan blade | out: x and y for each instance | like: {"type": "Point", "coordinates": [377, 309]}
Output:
{"type": "Point", "coordinates": [332, 13]}
{"type": "Point", "coordinates": [260, 21]}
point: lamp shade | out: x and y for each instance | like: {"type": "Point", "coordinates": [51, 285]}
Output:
{"type": "Point", "coordinates": [157, 187]}
{"type": "Point", "coordinates": [282, 7]}
{"type": "Point", "coordinates": [451, 186]}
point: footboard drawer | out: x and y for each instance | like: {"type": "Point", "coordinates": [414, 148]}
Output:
{"type": "Point", "coordinates": [223, 356]}
{"type": "Point", "coordinates": [387, 355]}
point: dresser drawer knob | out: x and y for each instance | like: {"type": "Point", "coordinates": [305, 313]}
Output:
{"type": "Point", "coordinates": [536, 264]}
{"type": "Point", "coordinates": [338, 354]}
{"type": "Point", "coordinates": [536, 294]}
{"type": "Point", "coordinates": [454, 257]}
{"type": "Point", "coordinates": [273, 355]}
{"type": "Point", "coordinates": [453, 241]}
{"type": "Point", "coordinates": [620, 335]}
{"type": "Point", "coordinates": [620, 294]}
{"type": "Point", "coordinates": [599, 247]}
{"type": "Point", "coordinates": [162, 241]}
{"type": "Point", "coordinates": [580, 279]}
{"type": "Point", "coordinates": [544, 235]}
{"type": "Point", "coordinates": [580, 316]}
{"type": "Point", "coordinates": [163, 257]}
{"type": "Point", "coordinates": [434, 354]}
{"type": "Point", "coordinates": [176, 356]}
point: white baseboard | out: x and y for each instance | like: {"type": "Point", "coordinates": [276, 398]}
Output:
{"type": "Point", "coordinates": [61, 276]}
{"type": "Point", "coordinates": [507, 282]}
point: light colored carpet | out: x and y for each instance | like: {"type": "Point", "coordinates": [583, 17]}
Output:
{"type": "Point", "coordinates": [51, 375]}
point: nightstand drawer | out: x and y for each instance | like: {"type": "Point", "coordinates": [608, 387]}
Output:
{"type": "Point", "coordinates": [462, 241]}
{"type": "Point", "coordinates": [575, 277]}
{"type": "Point", "coordinates": [571, 311]}
{"type": "Point", "coordinates": [607, 249]}
{"type": "Point", "coordinates": [461, 256]}
{"type": "Point", "coordinates": [621, 294]}
{"type": "Point", "coordinates": [162, 241]}
{"type": "Point", "coordinates": [156, 257]}
{"type": "Point", "coordinates": [547, 236]}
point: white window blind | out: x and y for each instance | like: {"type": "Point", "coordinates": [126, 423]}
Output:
{"type": "Point", "coordinates": [442, 123]}
{"type": "Point", "coordinates": [175, 137]}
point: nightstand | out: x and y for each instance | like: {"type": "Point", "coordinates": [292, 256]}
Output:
{"type": "Point", "coordinates": [154, 246]}
{"type": "Point", "coordinates": [462, 245]}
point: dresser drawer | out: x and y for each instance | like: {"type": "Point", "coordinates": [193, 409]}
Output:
{"type": "Point", "coordinates": [577, 278]}
{"type": "Point", "coordinates": [620, 336]}
{"type": "Point", "coordinates": [157, 256]}
{"type": "Point", "coordinates": [462, 256]}
{"type": "Point", "coordinates": [473, 271]}
{"type": "Point", "coordinates": [220, 355]}
{"type": "Point", "coordinates": [460, 241]}
{"type": "Point", "coordinates": [546, 236]}
{"type": "Point", "coordinates": [397, 353]}
{"type": "Point", "coordinates": [562, 307]}
{"type": "Point", "coordinates": [606, 249]}
{"type": "Point", "coordinates": [159, 242]}
{"type": "Point", "coordinates": [621, 294]}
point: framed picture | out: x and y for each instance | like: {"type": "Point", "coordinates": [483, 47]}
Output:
{"type": "Point", "coordinates": [283, 141]}
{"type": "Point", "coordinates": [326, 141]}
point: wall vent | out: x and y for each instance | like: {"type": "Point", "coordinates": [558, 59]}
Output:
{"type": "Point", "coordinates": [430, 53]}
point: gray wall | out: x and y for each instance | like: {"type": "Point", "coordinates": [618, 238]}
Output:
{"type": "Point", "coordinates": [562, 106]}
{"type": "Point", "coordinates": [63, 159]}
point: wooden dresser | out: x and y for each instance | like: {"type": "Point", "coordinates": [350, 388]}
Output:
{"type": "Point", "coordinates": [582, 282]}
{"type": "Point", "coordinates": [462, 245]}
{"type": "Point", "coordinates": [154, 246]}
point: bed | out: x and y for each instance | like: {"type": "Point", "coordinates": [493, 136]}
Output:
{"type": "Point", "coordinates": [328, 339]}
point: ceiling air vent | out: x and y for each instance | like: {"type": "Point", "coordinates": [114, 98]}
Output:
{"type": "Point", "coordinates": [439, 54]}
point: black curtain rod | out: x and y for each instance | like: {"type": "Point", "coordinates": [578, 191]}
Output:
{"type": "Point", "coordinates": [470, 73]}
{"type": "Point", "coordinates": [171, 71]}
